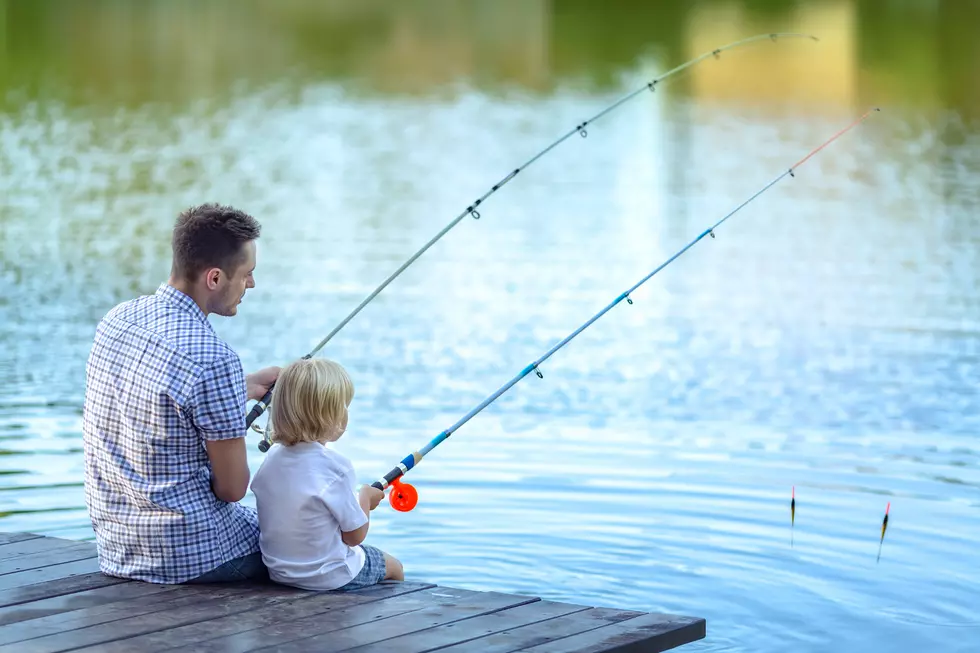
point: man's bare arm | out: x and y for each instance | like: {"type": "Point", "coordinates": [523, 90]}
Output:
{"type": "Point", "coordinates": [229, 468]}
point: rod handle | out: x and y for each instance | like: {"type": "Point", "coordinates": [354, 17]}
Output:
{"type": "Point", "coordinates": [259, 407]}
{"type": "Point", "coordinates": [257, 410]}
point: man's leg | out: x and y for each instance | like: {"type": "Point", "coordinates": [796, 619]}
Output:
{"type": "Point", "coordinates": [249, 567]}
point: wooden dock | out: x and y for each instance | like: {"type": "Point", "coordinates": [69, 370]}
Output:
{"type": "Point", "coordinates": [54, 598]}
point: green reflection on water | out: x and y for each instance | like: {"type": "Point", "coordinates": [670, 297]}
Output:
{"type": "Point", "coordinates": [112, 52]}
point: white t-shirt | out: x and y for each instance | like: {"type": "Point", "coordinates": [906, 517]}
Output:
{"type": "Point", "coordinates": [305, 499]}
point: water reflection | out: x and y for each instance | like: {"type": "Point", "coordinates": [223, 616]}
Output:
{"type": "Point", "coordinates": [874, 51]}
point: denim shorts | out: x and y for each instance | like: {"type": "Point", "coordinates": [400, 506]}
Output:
{"type": "Point", "coordinates": [248, 567]}
{"type": "Point", "coordinates": [372, 573]}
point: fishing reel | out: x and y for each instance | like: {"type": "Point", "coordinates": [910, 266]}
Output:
{"type": "Point", "coordinates": [403, 496]}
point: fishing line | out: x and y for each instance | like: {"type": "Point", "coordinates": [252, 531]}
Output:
{"type": "Point", "coordinates": [404, 497]}
{"type": "Point", "coordinates": [261, 405]}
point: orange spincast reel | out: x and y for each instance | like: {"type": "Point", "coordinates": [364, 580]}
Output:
{"type": "Point", "coordinates": [403, 497]}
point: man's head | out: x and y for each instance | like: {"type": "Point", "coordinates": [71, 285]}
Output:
{"type": "Point", "coordinates": [214, 256]}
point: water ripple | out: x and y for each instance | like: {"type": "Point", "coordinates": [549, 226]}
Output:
{"type": "Point", "coordinates": [826, 340]}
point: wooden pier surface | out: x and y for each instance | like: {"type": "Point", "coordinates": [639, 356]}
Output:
{"type": "Point", "coordinates": [53, 598]}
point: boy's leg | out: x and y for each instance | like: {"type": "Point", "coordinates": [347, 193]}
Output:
{"type": "Point", "coordinates": [378, 566]}
{"type": "Point", "coordinates": [393, 568]}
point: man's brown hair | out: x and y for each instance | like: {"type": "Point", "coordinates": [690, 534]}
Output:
{"type": "Point", "coordinates": [210, 235]}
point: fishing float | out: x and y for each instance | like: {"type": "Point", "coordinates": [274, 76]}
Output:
{"type": "Point", "coordinates": [884, 527]}
{"type": "Point", "coordinates": [404, 496]}
{"type": "Point", "coordinates": [792, 515]}
{"type": "Point", "coordinates": [262, 404]}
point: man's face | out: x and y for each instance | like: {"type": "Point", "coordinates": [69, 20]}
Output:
{"type": "Point", "coordinates": [228, 287]}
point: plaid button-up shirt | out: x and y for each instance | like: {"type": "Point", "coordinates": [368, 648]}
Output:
{"type": "Point", "coordinates": [159, 382]}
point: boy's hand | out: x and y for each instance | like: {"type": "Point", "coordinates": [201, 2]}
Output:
{"type": "Point", "coordinates": [371, 495]}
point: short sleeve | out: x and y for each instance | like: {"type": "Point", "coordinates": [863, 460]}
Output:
{"type": "Point", "coordinates": [344, 506]}
{"type": "Point", "coordinates": [217, 406]}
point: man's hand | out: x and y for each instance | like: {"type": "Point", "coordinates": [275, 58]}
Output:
{"type": "Point", "coordinates": [258, 383]}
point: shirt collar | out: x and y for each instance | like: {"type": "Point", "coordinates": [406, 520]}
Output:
{"type": "Point", "coordinates": [181, 300]}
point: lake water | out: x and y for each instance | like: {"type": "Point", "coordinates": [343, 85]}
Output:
{"type": "Point", "coordinates": [828, 339]}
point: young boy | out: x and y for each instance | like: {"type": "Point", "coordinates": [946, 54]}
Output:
{"type": "Point", "coordinates": [311, 524]}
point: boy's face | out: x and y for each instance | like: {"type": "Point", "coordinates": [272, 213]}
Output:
{"type": "Point", "coordinates": [342, 427]}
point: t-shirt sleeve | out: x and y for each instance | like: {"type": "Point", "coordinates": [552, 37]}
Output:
{"type": "Point", "coordinates": [217, 406]}
{"type": "Point", "coordinates": [342, 502]}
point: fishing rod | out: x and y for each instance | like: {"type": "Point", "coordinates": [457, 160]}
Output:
{"type": "Point", "coordinates": [261, 405]}
{"type": "Point", "coordinates": [404, 497]}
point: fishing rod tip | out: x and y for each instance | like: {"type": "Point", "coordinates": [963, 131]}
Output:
{"type": "Point", "coordinates": [774, 36]}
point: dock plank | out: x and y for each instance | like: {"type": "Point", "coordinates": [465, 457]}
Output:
{"type": "Point", "coordinates": [10, 538]}
{"type": "Point", "coordinates": [472, 629]}
{"type": "Point", "coordinates": [40, 559]}
{"type": "Point", "coordinates": [190, 605]}
{"type": "Point", "coordinates": [545, 631]}
{"type": "Point", "coordinates": [648, 633]}
{"type": "Point", "coordinates": [54, 598]}
{"type": "Point", "coordinates": [449, 605]}
{"type": "Point", "coordinates": [193, 635]}
{"type": "Point", "coordinates": [57, 587]}
{"type": "Point", "coordinates": [288, 629]}
{"type": "Point", "coordinates": [51, 572]}
{"type": "Point", "coordinates": [34, 545]}
{"type": "Point", "coordinates": [115, 611]}
{"type": "Point", "coordinates": [85, 599]}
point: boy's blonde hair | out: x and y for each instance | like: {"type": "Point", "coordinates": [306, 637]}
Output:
{"type": "Point", "coordinates": [310, 402]}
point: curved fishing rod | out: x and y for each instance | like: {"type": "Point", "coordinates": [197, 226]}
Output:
{"type": "Point", "coordinates": [580, 129]}
{"type": "Point", "coordinates": [403, 496]}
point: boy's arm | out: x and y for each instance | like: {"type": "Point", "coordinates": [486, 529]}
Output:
{"type": "Point", "coordinates": [368, 499]}
{"type": "Point", "coordinates": [351, 512]}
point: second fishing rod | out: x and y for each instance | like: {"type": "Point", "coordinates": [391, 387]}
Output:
{"type": "Point", "coordinates": [403, 497]}
{"type": "Point", "coordinates": [472, 210]}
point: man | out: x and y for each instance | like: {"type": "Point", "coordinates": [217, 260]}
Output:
{"type": "Point", "coordinates": [164, 418]}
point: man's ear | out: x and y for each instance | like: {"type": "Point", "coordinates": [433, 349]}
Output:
{"type": "Point", "coordinates": [211, 278]}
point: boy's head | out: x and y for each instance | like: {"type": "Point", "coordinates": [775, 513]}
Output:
{"type": "Point", "coordinates": [310, 402]}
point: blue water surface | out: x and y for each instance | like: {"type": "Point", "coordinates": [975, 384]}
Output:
{"type": "Point", "coordinates": [827, 340]}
